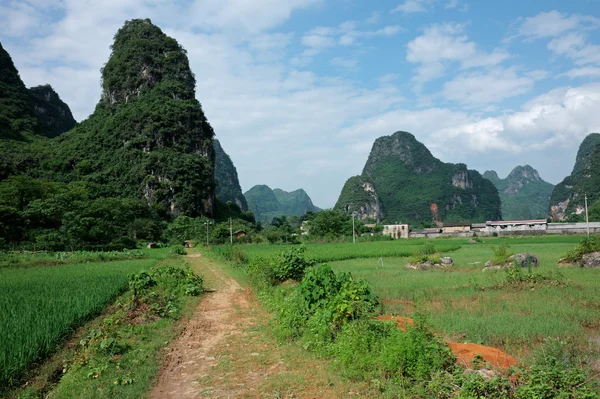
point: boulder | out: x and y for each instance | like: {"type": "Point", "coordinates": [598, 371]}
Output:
{"type": "Point", "coordinates": [472, 241]}
{"type": "Point", "coordinates": [444, 263]}
{"type": "Point", "coordinates": [446, 260]}
{"type": "Point", "coordinates": [590, 260]}
{"type": "Point", "coordinates": [524, 259]}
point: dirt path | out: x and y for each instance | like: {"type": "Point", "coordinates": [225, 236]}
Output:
{"type": "Point", "coordinates": [228, 350]}
{"type": "Point", "coordinates": [219, 314]}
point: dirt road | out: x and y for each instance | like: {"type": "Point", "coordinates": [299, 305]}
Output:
{"type": "Point", "coordinates": [220, 314]}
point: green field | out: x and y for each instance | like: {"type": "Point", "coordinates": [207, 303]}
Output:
{"type": "Point", "coordinates": [469, 305]}
{"type": "Point", "coordinates": [40, 306]}
{"type": "Point", "coordinates": [343, 251]}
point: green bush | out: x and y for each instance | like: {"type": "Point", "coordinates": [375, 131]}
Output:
{"type": "Point", "coordinates": [291, 264]}
{"type": "Point", "coordinates": [587, 245]}
{"type": "Point", "coordinates": [177, 250]}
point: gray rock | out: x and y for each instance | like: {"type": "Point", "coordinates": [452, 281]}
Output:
{"type": "Point", "coordinates": [590, 260]}
{"type": "Point", "coordinates": [472, 242]}
{"type": "Point", "coordinates": [485, 373]}
{"type": "Point", "coordinates": [524, 259]}
{"type": "Point", "coordinates": [446, 260]}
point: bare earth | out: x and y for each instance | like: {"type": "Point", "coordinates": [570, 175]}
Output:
{"type": "Point", "coordinates": [227, 350]}
{"type": "Point", "coordinates": [187, 358]}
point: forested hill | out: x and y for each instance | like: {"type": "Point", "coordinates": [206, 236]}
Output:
{"type": "Point", "coordinates": [24, 112]}
{"type": "Point", "coordinates": [403, 182]}
{"type": "Point", "coordinates": [145, 156]}
{"type": "Point", "coordinates": [524, 194]}
{"type": "Point", "coordinates": [266, 204]}
{"type": "Point", "coordinates": [567, 199]}
{"type": "Point", "coordinates": [226, 179]}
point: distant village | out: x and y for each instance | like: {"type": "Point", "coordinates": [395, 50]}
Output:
{"type": "Point", "coordinates": [490, 229]}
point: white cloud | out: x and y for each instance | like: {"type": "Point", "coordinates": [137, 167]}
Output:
{"type": "Point", "coordinates": [349, 64]}
{"type": "Point", "coordinates": [553, 24]}
{"type": "Point", "coordinates": [485, 87]}
{"type": "Point", "coordinates": [411, 6]}
{"type": "Point", "coordinates": [574, 46]}
{"type": "Point", "coordinates": [443, 44]}
{"type": "Point", "coordinates": [585, 72]}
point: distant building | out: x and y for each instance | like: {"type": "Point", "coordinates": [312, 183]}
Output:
{"type": "Point", "coordinates": [239, 234]}
{"type": "Point", "coordinates": [456, 227]}
{"type": "Point", "coordinates": [395, 230]}
{"type": "Point", "coordinates": [517, 225]}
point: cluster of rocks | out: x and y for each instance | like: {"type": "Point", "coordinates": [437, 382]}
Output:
{"type": "Point", "coordinates": [444, 263]}
{"type": "Point", "coordinates": [524, 259]}
{"type": "Point", "coordinates": [591, 260]}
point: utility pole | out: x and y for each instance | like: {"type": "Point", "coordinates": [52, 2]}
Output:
{"type": "Point", "coordinates": [587, 220]}
{"type": "Point", "coordinates": [353, 231]}
{"type": "Point", "coordinates": [207, 223]}
{"type": "Point", "coordinates": [230, 231]}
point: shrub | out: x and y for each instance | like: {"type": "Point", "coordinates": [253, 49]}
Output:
{"type": "Point", "coordinates": [291, 264]}
{"type": "Point", "coordinates": [501, 254]}
{"type": "Point", "coordinates": [587, 245]}
{"type": "Point", "coordinates": [177, 250]}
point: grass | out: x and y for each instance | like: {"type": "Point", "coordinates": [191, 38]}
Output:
{"type": "Point", "coordinates": [41, 306]}
{"type": "Point", "coordinates": [470, 305]}
{"type": "Point", "coordinates": [343, 251]}
{"type": "Point", "coordinates": [32, 259]}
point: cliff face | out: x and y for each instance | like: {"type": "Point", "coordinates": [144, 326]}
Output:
{"type": "Point", "coordinates": [148, 137]}
{"type": "Point", "coordinates": [16, 114]}
{"type": "Point", "coordinates": [267, 204]}
{"type": "Point", "coordinates": [54, 115]}
{"type": "Point", "coordinates": [405, 183]}
{"type": "Point", "coordinates": [524, 194]}
{"type": "Point", "coordinates": [568, 196]}
{"type": "Point", "coordinates": [226, 179]}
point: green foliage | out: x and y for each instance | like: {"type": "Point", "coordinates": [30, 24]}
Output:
{"type": "Point", "coordinates": [226, 178]}
{"type": "Point", "coordinates": [501, 254]}
{"type": "Point", "coordinates": [291, 264]}
{"type": "Point", "coordinates": [330, 224]}
{"type": "Point", "coordinates": [584, 178]}
{"type": "Point", "coordinates": [177, 250]}
{"type": "Point", "coordinates": [524, 195]}
{"type": "Point", "coordinates": [408, 181]}
{"type": "Point", "coordinates": [54, 115]}
{"type": "Point", "coordinates": [586, 246]}
{"type": "Point", "coordinates": [32, 259]}
{"type": "Point", "coordinates": [594, 212]}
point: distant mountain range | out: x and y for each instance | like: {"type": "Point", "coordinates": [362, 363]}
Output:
{"type": "Point", "coordinates": [524, 195]}
{"type": "Point", "coordinates": [267, 204]}
{"type": "Point", "coordinates": [403, 182]}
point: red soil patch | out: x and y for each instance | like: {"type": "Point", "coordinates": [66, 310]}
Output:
{"type": "Point", "coordinates": [401, 322]}
{"type": "Point", "coordinates": [464, 353]}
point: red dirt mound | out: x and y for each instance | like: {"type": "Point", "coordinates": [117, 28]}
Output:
{"type": "Point", "coordinates": [401, 322]}
{"type": "Point", "coordinates": [466, 352]}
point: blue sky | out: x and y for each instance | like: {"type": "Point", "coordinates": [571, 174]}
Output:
{"type": "Point", "coordinates": [298, 90]}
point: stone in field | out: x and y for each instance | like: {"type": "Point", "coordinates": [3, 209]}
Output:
{"type": "Point", "coordinates": [524, 259]}
{"type": "Point", "coordinates": [590, 260]}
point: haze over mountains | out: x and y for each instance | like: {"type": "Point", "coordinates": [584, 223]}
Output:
{"type": "Point", "coordinates": [523, 193]}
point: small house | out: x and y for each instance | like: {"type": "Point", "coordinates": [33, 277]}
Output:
{"type": "Point", "coordinates": [395, 230]}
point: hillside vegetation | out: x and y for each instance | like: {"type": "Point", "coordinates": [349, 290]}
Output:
{"type": "Point", "coordinates": [567, 199]}
{"type": "Point", "coordinates": [403, 182]}
{"type": "Point", "coordinates": [524, 195]}
{"type": "Point", "coordinates": [144, 157]}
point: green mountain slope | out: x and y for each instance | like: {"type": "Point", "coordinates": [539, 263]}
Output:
{"type": "Point", "coordinates": [567, 198]}
{"type": "Point", "coordinates": [144, 156]}
{"type": "Point", "coordinates": [226, 179]}
{"type": "Point", "coordinates": [54, 115]}
{"type": "Point", "coordinates": [148, 137]}
{"type": "Point", "coordinates": [412, 186]}
{"type": "Point", "coordinates": [267, 204]}
{"type": "Point", "coordinates": [524, 195]}
{"type": "Point", "coordinates": [16, 113]}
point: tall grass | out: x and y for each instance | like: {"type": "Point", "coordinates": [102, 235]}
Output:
{"type": "Point", "coordinates": [40, 306]}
